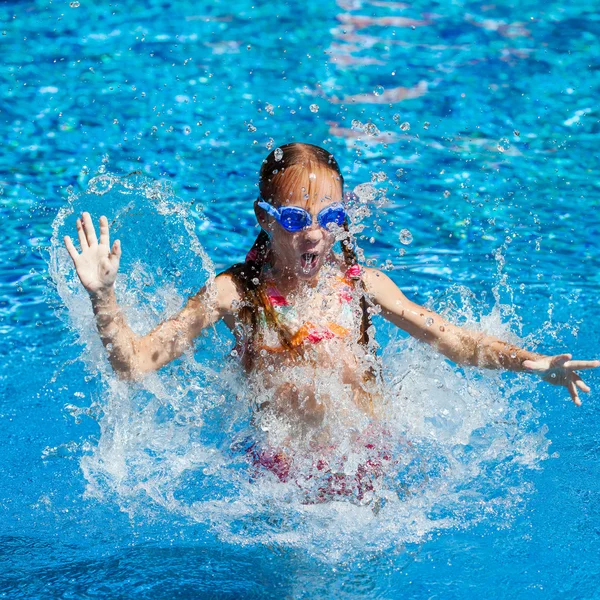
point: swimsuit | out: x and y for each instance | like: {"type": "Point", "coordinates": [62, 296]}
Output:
{"type": "Point", "coordinates": [324, 475]}
{"type": "Point", "coordinates": [308, 332]}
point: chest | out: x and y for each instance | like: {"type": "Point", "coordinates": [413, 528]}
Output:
{"type": "Point", "coordinates": [311, 317]}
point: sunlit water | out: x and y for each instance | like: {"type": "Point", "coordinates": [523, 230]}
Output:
{"type": "Point", "coordinates": [467, 132]}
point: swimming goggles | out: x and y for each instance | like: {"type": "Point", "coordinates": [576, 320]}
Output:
{"type": "Point", "coordinates": [294, 218]}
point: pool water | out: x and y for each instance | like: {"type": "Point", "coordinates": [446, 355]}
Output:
{"type": "Point", "coordinates": [469, 132]}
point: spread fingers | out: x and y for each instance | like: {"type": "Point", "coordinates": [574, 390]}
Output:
{"type": "Point", "coordinates": [81, 235]}
{"type": "Point", "coordinates": [582, 385]}
{"type": "Point", "coordinates": [71, 248]}
{"type": "Point", "coordinates": [582, 364]}
{"type": "Point", "coordinates": [574, 393]}
{"type": "Point", "coordinates": [104, 234]}
{"type": "Point", "coordinates": [90, 232]}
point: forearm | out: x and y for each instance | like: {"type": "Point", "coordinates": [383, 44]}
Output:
{"type": "Point", "coordinates": [467, 347]}
{"type": "Point", "coordinates": [116, 335]}
{"type": "Point", "coordinates": [132, 355]}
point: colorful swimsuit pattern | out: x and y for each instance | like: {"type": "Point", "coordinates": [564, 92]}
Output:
{"type": "Point", "coordinates": [307, 331]}
{"type": "Point", "coordinates": [325, 475]}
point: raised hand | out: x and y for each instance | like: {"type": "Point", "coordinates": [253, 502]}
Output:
{"type": "Point", "coordinates": [560, 370]}
{"type": "Point", "coordinates": [96, 265]}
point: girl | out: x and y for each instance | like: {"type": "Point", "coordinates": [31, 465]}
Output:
{"type": "Point", "coordinates": [297, 309]}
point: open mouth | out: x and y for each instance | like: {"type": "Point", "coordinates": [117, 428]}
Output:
{"type": "Point", "coordinates": [308, 260]}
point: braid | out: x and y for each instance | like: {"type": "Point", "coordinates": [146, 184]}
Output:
{"type": "Point", "coordinates": [253, 288]}
{"type": "Point", "coordinates": [348, 247]}
{"type": "Point", "coordinates": [351, 260]}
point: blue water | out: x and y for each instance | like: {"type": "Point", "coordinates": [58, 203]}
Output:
{"type": "Point", "coordinates": [115, 492]}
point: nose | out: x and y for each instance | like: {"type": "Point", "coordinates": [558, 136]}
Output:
{"type": "Point", "coordinates": [313, 233]}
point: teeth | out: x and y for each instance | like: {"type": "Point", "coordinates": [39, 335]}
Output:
{"type": "Point", "coordinates": [308, 260]}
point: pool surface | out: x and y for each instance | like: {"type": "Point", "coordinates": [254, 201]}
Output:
{"type": "Point", "coordinates": [470, 132]}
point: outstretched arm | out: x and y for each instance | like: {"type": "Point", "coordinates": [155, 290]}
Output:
{"type": "Point", "coordinates": [467, 347]}
{"type": "Point", "coordinates": [132, 355]}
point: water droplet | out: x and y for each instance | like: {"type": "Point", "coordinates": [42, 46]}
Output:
{"type": "Point", "coordinates": [278, 154]}
{"type": "Point", "coordinates": [405, 126]}
{"type": "Point", "coordinates": [501, 148]}
{"type": "Point", "coordinates": [187, 130]}
{"type": "Point", "coordinates": [378, 90]}
{"type": "Point", "coordinates": [378, 176]}
{"type": "Point", "coordinates": [255, 281]}
{"type": "Point", "coordinates": [429, 321]}
{"type": "Point", "coordinates": [396, 118]}
{"type": "Point", "coordinates": [251, 128]}
{"type": "Point", "coordinates": [402, 252]}
{"type": "Point", "coordinates": [115, 121]}
{"type": "Point", "coordinates": [399, 173]}
{"type": "Point", "coordinates": [314, 108]}
{"type": "Point", "coordinates": [371, 129]}
{"type": "Point", "coordinates": [426, 125]}
{"type": "Point", "coordinates": [365, 192]}
{"type": "Point", "coordinates": [270, 109]}
{"type": "Point", "coordinates": [312, 176]}
{"type": "Point", "coordinates": [517, 132]}
{"type": "Point", "coordinates": [406, 237]}
{"type": "Point", "coordinates": [100, 185]}
{"type": "Point", "coordinates": [1, 190]}
{"type": "Point", "coordinates": [270, 143]}
{"type": "Point", "coordinates": [74, 4]}
{"type": "Point", "coordinates": [447, 194]}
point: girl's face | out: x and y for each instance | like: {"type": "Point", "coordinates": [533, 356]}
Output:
{"type": "Point", "coordinates": [301, 254]}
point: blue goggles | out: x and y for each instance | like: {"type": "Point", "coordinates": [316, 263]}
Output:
{"type": "Point", "coordinates": [293, 218]}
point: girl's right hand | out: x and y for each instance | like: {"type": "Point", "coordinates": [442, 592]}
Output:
{"type": "Point", "coordinates": [96, 265]}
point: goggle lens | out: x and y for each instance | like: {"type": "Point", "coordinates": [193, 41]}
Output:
{"type": "Point", "coordinates": [294, 219]}
{"type": "Point", "coordinates": [332, 214]}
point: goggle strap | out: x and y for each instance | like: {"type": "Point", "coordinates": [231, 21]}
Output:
{"type": "Point", "coordinates": [270, 209]}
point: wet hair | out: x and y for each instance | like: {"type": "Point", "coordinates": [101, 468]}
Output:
{"type": "Point", "coordinates": [284, 173]}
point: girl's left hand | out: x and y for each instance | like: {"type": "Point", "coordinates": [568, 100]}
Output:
{"type": "Point", "coordinates": [560, 370]}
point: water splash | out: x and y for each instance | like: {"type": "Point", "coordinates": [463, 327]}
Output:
{"type": "Point", "coordinates": [453, 447]}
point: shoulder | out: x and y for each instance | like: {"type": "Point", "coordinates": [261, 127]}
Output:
{"type": "Point", "coordinates": [221, 295]}
{"type": "Point", "coordinates": [229, 289]}
{"type": "Point", "coordinates": [379, 285]}
{"type": "Point", "coordinates": [374, 278]}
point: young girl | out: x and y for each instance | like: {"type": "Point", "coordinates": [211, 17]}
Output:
{"type": "Point", "coordinates": [297, 309]}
